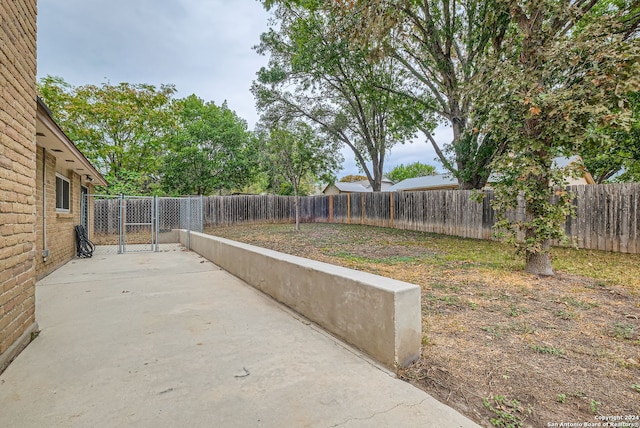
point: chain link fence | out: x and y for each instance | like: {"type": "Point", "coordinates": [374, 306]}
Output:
{"type": "Point", "coordinates": [121, 224]}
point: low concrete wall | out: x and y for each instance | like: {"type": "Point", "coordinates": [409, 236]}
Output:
{"type": "Point", "coordinates": [170, 237]}
{"type": "Point", "coordinates": [380, 316]}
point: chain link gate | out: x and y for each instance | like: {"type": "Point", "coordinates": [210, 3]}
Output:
{"type": "Point", "coordinates": [122, 224]}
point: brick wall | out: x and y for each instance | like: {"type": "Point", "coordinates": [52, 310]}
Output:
{"type": "Point", "coordinates": [17, 175]}
{"type": "Point", "coordinates": [60, 232]}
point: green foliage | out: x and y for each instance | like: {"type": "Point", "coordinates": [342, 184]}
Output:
{"type": "Point", "coordinates": [210, 150]}
{"type": "Point", "coordinates": [130, 183]}
{"type": "Point", "coordinates": [547, 202]}
{"type": "Point", "coordinates": [623, 331]}
{"type": "Point", "coordinates": [492, 329]}
{"type": "Point", "coordinates": [412, 170]}
{"type": "Point", "coordinates": [561, 398]}
{"type": "Point", "coordinates": [509, 413]}
{"type": "Point", "coordinates": [293, 153]}
{"type": "Point", "coordinates": [515, 311]}
{"type": "Point", "coordinates": [550, 350]}
{"type": "Point", "coordinates": [279, 185]}
{"type": "Point", "coordinates": [520, 83]}
{"type": "Point", "coordinates": [320, 77]}
{"type": "Point", "coordinates": [441, 47]}
{"type": "Point", "coordinates": [565, 315]}
{"type": "Point", "coordinates": [144, 142]}
{"type": "Point", "coordinates": [120, 128]}
{"type": "Point", "coordinates": [616, 154]}
{"type": "Point", "coordinates": [551, 86]}
{"type": "Point", "coordinates": [352, 178]}
{"type": "Point", "coordinates": [57, 93]}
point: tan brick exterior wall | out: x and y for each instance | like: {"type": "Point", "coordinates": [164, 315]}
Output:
{"type": "Point", "coordinates": [17, 172]}
{"type": "Point", "coordinates": [60, 232]}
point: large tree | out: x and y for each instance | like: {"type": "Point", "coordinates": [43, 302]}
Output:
{"type": "Point", "coordinates": [412, 170]}
{"type": "Point", "coordinates": [317, 75]}
{"type": "Point", "coordinates": [441, 47]}
{"type": "Point", "coordinates": [564, 74]}
{"type": "Point", "coordinates": [120, 128]}
{"type": "Point", "coordinates": [519, 81]}
{"type": "Point", "coordinates": [210, 150]}
{"type": "Point", "coordinates": [293, 152]}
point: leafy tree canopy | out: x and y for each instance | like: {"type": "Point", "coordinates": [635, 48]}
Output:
{"type": "Point", "coordinates": [564, 74]}
{"type": "Point", "coordinates": [210, 150]}
{"type": "Point", "coordinates": [120, 128]}
{"type": "Point", "coordinates": [293, 154]}
{"type": "Point", "coordinates": [441, 48]}
{"type": "Point", "coordinates": [317, 76]}
{"type": "Point", "coordinates": [352, 178]}
{"type": "Point", "coordinates": [617, 158]}
{"type": "Point", "coordinates": [412, 170]}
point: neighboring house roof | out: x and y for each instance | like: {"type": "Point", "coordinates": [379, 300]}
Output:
{"type": "Point", "coordinates": [349, 187]}
{"type": "Point", "coordinates": [447, 181]}
{"type": "Point", "coordinates": [439, 181]}
{"type": "Point", "coordinates": [386, 180]}
{"type": "Point", "coordinates": [50, 136]}
{"type": "Point", "coordinates": [561, 161]}
{"type": "Point", "coordinates": [385, 183]}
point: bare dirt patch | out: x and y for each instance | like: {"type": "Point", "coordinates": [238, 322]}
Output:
{"type": "Point", "coordinates": [504, 347]}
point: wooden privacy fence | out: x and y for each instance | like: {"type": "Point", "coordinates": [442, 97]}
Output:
{"type": "Point", "coordinates": [607, 214]}
{"type": "Point", "coordinates": [608, 217]}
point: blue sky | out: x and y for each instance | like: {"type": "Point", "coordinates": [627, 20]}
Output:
{"type": "Point", "coordinates": [203, 47]}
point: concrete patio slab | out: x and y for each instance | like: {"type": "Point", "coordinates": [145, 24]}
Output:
{"type": "Point", "coordinates": [169, 340]}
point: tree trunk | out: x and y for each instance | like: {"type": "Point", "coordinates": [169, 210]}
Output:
{"type": "Point", "coordinates": [465, 185]}
{"type": "Point", "coordinates": [476, 182]}
{"type": "Point", "coordinates": [377, 184]}
{"type": "Point", "coordinates": [539, 263]}
{"type": "Point", "coordinates": [297, 206]}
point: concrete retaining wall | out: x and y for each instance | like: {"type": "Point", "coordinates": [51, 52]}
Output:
{"type": "Point", "coordinates": [378, 315]}
{"type": "Point", "coordinates": [171, 237]}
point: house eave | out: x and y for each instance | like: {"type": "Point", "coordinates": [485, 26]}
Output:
{"type": "Point", "coordinates": [51, 137]}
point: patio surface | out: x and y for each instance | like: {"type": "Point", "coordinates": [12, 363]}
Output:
{"type": "Point", "coordinates": [170, 340]}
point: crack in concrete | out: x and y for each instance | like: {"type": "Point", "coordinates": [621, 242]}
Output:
{"type": "Point", "coordinates": [379, 413]}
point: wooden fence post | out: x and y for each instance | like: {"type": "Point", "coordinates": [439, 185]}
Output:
{"type": "Point", "coordinates": [330, 208]}
{"type": "Point", "coordinates": [391, 210]}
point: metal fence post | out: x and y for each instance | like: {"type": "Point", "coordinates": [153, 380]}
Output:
{"type": "Point", "coordinates": [201, 224]}
{"type": "Point", "coordinates": [121, 219]}
{"type": "Point", "coordinates": [156, 204]}
{"type": "Point", "coordinates": [188, 222]}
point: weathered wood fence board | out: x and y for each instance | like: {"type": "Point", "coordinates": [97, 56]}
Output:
{"type": "Point", "coordinates": [607, 218]}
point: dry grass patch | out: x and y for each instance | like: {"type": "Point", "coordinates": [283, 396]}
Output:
{"type": "Point", "coordinates": [502, 346]}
